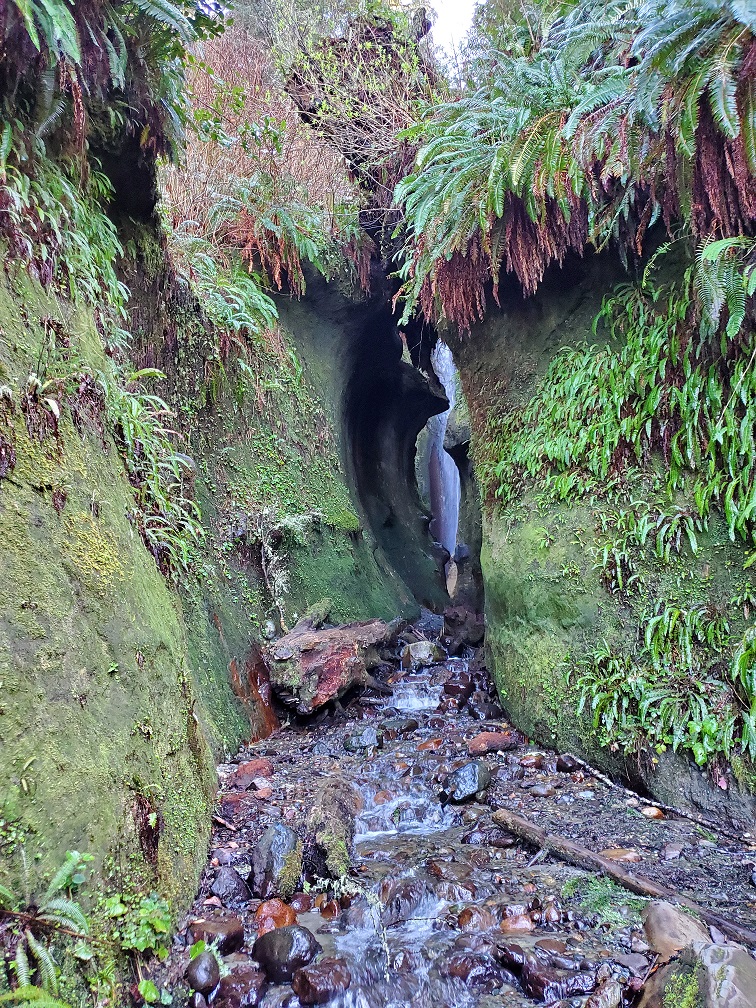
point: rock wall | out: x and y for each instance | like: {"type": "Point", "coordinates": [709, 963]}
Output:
{"type": "Point", "coordinates": [119, 688]}
{"type": "Point", "coordinates": [545, 602]}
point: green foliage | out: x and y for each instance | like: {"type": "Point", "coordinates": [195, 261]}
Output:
{"type": "Point", "coordinates": [40, 919]}
{"type": "Point", "coordinates": [601, 896]}
{"type": "Point", "coordinates": [166, 517]}
{"type": "Point", "coordinates": [29, 996]}
{"type": "Point", "coordinates": [140, 923]}
{"type": "Point", "coordinates": [588, 126]}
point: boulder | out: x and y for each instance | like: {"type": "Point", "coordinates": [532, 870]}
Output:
{"type": "Point", "coordinates": [276, 862]}
{"type": "Point", "coordinates": [729, 977]}
{"type": "Point", "coordinates": [493, 741]}
{"type": "Point", "coordinates": [203, 973]}
{"type": "Point", "coordinates": [284, 951]}
{"type": "Point", "coordinates": [669, 930]}
{"type": "Point", "coordinates": [421, 654]}
{"type": "Point", "coordinates": [229, 886]}
{"type": "Point", "coordinates": [466, 782]}
{"type": "Point", "coordinates": [242, 988]}
{"type": "Point", "coordinates": [463, 627]}
{"type": "Point", "coordinates": [318, 983]}
{"type": "Point", "coordinates": [310, 667]}
{"type": "Point", "coordinates": [226, 932]}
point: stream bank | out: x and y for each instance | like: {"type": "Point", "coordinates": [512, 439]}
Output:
{"type": "Point", "coordinates": [440, 905]}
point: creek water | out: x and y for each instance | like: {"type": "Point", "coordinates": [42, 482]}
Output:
{"type": "Point", "coordinates": [443, 474]}
{"type": "Point", "coordinates": [405, 938]}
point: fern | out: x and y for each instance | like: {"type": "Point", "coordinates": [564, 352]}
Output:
{"type": "Point", "coordinates": [28, 996]}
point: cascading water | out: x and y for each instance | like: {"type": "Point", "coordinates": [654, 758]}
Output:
{"type": "Point", "coordinates": [442, 471]}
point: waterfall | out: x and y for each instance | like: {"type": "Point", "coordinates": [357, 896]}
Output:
{"type": "Point", "coordinates": [442, 470]}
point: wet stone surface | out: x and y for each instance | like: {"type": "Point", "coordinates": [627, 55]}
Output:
{"type": "Point", "coordinates": [442, 907]}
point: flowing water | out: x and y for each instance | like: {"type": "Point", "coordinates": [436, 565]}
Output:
{"type": "Point", "coordinates": [442, 470]}
{"type": "Point", "coordinates": [443, 908]}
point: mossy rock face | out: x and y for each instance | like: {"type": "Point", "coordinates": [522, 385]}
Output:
{"type": "Point", "coordinates": [98, 716]}
{"type": "Point", "coordinates": [548, 606]}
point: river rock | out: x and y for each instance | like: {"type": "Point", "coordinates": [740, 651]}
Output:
{"type": "Point", "coordinates": [229, 886]}
{"type": "Point", "coordinates": [422, 653]}
{"type": "Point", "coordinates": [242, 988]}
{"type": "Point", "coordinates": [463, 627]}
{"type": "Point", "coordinates": [609, 995]}
{"type": "Point", "coordinates": [283, 951]}
{"type": "Point", "coordinates": [310, 667]}
{"type": "Point", "coordinates": [492, 741]}
{"type": "Point", "coordinates": [669, 930]}
{"type": "Point", "coordinates": [394, 728]}
{"type": "Point", "coordinates": [203, 973]}
{"type": "Point", "coordinates": [365, 738]}
{"type": "Point", "coordinates": [272, 914]}
{"type": "Point", "coordinates": [729, 977]}
{"type": "Point", "coordinates": [466, 782]}
{"type": "Point", "coordinates": [226, 932]}
{"type": "Point", "coordinates": [545, 984]}
{"type": "Point", "coordinates": [318, 983]}
{"type": "Point", "coordinates": [474, 968]}
{"type": "Point", "coordinates": [276, 862]}
{"type": "Point", "coordinates": [244, 775]}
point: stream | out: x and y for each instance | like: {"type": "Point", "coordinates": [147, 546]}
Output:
{"type": "Point", "coordinates": [442, 907]}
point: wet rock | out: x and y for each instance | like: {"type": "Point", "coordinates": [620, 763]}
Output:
{"type": "Point", "coordinates": [476, 919]}
{"type": "Point", "coordinates": [669, 930]}
{"type": "Point", "coordinates": [394, 728]}
{"type": "Point", "coordinates": [243, 988]}
{"type": "Point", "coordinates": [609, 995]}
{"type": "Point", "coordinates": [229, 886]}
{"type": "Point", "coordinates": [624, 854]}
{"type": "Point", "coordinates": [203, 973]}
{"type": "Point", "coordinates": [542, 983]}
{"type": "Point", "coordinates": [490, 741]}
{"type": "Point", "coordinates": [421, 653]}
{"type": "Point", "coordinates": [301, 902]}
{"type": "Point", "coordinates": [460, 688]}
{"type": "Point", "coordinates": [519, 922]}
{"type": "Point", "coordinates": [532, 760]}
{"type": "Point", "coordinates": [197, 1000]}
{"type": "Point", "coordinates": [567, 764]}
{"type": "Point", "coordinates": [310, 667]}
{"type": "Point", "coordinates": [511, 956]}
{"type": "Point", "coordinates": [365, 738]}
{"type": "Point", "coordinates": [283, 951]}
{"type": "Point", "coordinates": [474, 968]}
{"type": "Point", "coordinates": [234, 804]}
{"type": "Point", "coordinates": [543, 791]}
{"type": "Point", "coordinates": [318, 983]}
{"type": "Point", "coordinates": [652, 812]}
{"type": "Point", "coordinates": [466, 782]}
{"type": "Point", "coordinates": [276, 862]}
{"type": "Point", "coordinates": [729, 977]}
{"type": "Point", "coordinates": [245, 774]}
{"type": "Point", "coordinates": [634, 961]}
{"type": "Point", "coordinates": [226, 932]}
{"type": "Point", "coordinates": [489, 836]}
{"type": "Point", "coordinates": [463, 627]}
{"type": "Point", "coordinates": [273, 914]}
{"type": "Point", "coordinates": [399, 897]}
{"type": "Point", "coordinates": [481, 707]}
{"type": "Point", "coordinates": [672, 851]}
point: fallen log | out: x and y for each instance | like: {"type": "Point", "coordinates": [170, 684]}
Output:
{"type": "Point", "coordinates": [581, 857]}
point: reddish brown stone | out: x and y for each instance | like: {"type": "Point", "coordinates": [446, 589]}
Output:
{"type": "Point", "coordinates": [321, 982]}
{"type": "Point", "coordinates": [274, 914]}
{"type": "Point", "coordinates": [430, 745]}
{"type": "Point", "coordinates": [227, 932]}
{"type": "Point", "coordinates": [301, 902]}
{"type": "Point", "coordinates": [488, 742]}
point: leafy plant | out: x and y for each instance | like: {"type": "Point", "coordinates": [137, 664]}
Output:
{"type": "Point", "coordinates": [141, 923]}
{"type": "Point", "coordinates": [39, 919]}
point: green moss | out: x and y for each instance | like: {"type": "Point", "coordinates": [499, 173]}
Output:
{"type": "Point", "coordinates": [291, 873]}
{"type": "Point", "coordinates": [683, 991]}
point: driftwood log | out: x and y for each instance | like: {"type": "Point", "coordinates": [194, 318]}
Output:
{"type": "Point", "coordinates": [575, 854]}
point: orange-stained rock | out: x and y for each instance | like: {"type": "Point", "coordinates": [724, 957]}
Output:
{"type": "Point", "coordinates": [652, 812]}
{"type": "Point", "coordinates": [521, 923]}
{"type": "Point", "coordinates": [476, 919]}
{"type": "Point", "coordinates": [244, 775]}
{"type": "Point", "coordinates": [272, 914]}
{"type": "Point", "coordinates": [621, 854]}
{"type": "Point", "coordinates": [382, 797]}
{"type": "Point", "coordinates": [490, 741]}
{"type": "Point", "coordinates": [431, 744]}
